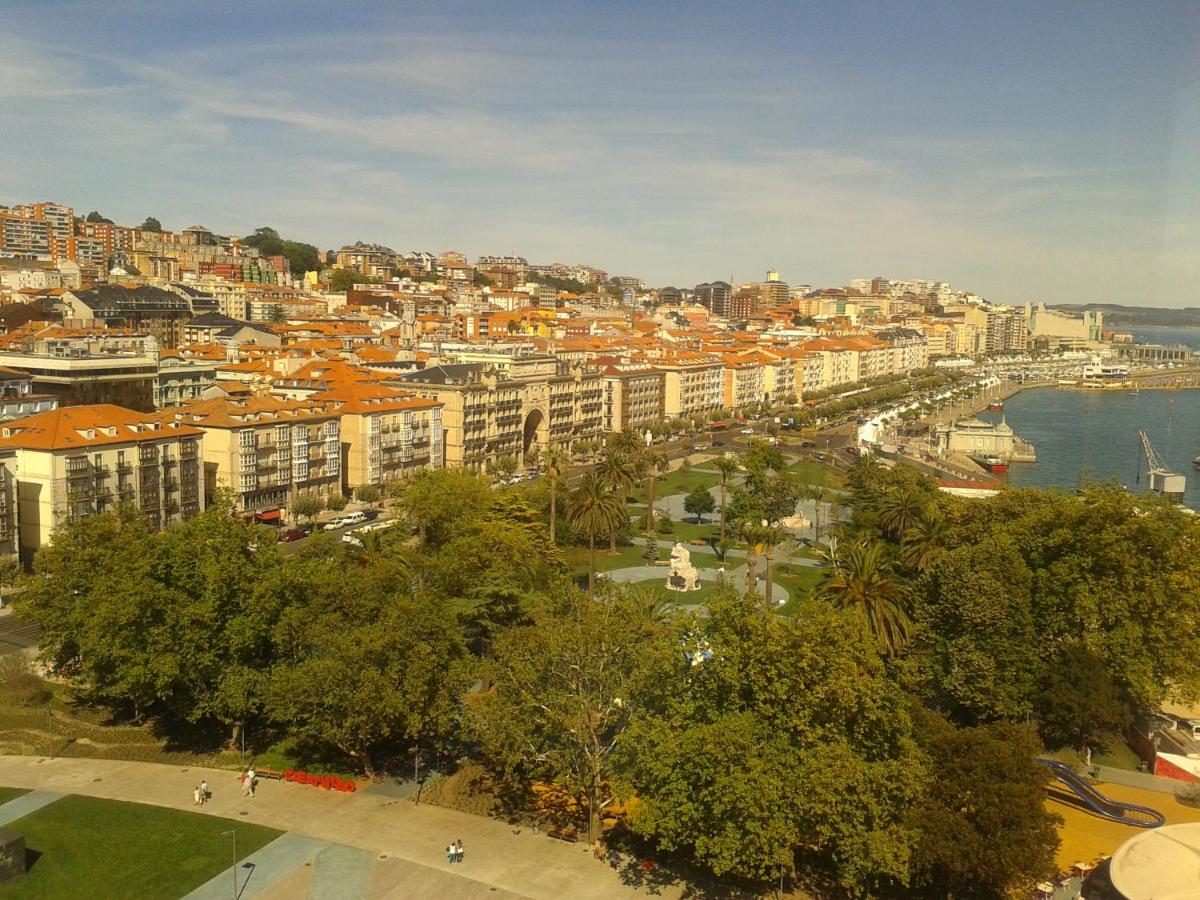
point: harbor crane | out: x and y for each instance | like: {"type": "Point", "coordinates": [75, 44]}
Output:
{"type": "Point", "coordinates": [1162, 479]}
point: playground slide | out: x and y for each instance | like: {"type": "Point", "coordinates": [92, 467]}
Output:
{"type": "Point", "coordinates": [1114, 810]}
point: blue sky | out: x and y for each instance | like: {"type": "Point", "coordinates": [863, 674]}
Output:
{"type": "Point", "coordinates": [1043, 151]}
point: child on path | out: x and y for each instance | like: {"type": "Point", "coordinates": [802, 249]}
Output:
{"type": "Point", "coordinates": [196, 796]}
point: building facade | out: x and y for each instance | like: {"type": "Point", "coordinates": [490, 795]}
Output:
{"type": "Point", "coordinates": [79, 461]}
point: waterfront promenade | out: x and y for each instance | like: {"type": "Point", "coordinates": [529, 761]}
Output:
{"type": "Point", "coordinates": [392, 848]}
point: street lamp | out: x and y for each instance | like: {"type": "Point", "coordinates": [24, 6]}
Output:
{"type": "Point", "coordinates": [233, 834]}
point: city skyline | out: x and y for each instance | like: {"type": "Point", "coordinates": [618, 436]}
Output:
{"type": "Point", "coordinates": [1022, 153]}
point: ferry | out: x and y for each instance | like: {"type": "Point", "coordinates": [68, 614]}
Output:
{"type": "Point", "coordinates": [992, 463]}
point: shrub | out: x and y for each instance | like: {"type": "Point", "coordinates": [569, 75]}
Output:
{"type": "Point", "coordinates": [335, 502]}
{"type": "Point", "coordinates": [19, 684]}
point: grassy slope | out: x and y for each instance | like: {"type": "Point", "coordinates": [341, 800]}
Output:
{"type": "Point", "coordinates": [105, 848]}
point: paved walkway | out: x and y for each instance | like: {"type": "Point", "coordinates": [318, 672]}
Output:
{"type": "Point", "coordinates": [329, 831]}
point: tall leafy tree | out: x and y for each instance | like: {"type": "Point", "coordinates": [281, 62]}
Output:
{"type": "Point", "coordinates": [984, 830]}
{"type": "Point", "coordinates": [774, 737]}
{"type": "Point", "coordinates": [699, 502]}
{"type": "Point", "coordinates": [442, 501]}
{"type": "Point", "coordinates": [366, 673]}
{"type": "Point", "coordinates": [565, 688]}
{"type": "Point", "coordinates": [1079, 703]}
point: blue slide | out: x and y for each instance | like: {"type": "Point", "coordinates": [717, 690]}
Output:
{"type": "Point", "coordinates": [1114, 810]}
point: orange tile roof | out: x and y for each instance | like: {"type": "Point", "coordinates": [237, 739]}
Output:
{"type": "Point", "coordinates": [68, 428]}
{"type": "Point", "coordinates": [366, 398]}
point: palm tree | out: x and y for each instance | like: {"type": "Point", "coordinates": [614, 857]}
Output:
{"type": "Point", "coordinates": [619, 473]}
{"type": "Point", "coordinates": [726, 465]}
{"type": "Point", "coordinates": [755, 535]}
{"type": "Point", "coordinates": [863, 579]}
{"type": "Point", "coordinates": [773, 535]}
{"type": "Point", "coordinates": [595, 510]}
{"type": "Point", "coordinates": [899, 509]}
{"type": "Point", "coordinates": [926, 536]}
{"type": "Point", "coordinates": [554, 463]}
{"type": "Point", "coordinates": [656, 464]}
{"type": "Point", "coordinates": [652, 608]}
{"type": "Point", "coordinates": [818, 494]}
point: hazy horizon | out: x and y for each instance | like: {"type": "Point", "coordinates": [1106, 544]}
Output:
{"type": "Point", "coordinates": [1022, 151]}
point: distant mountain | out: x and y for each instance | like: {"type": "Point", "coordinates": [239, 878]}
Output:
{"type": "Point", "coordinates": [1116, 315]}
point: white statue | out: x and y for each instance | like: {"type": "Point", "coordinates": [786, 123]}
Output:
{"type": "Point", "coordinates": [683, 575]}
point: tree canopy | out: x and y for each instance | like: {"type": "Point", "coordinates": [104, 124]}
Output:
{"type": "Point", "coordinates": [301, 257]}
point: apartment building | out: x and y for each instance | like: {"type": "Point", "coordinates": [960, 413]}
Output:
{"type": "Point", "coordinates": [81, 460]}
{"type": "Point", "coordinates": [24, 238]}
{"type": "Point", "coordinates": [87, 378]}
{"type": "Point", "coordinates": [1002, 328]}
{"type": "Point", "coordinates": [839, 363]}
{"type": "Point", "coordinates": [17, 397]}
{"type": "Point", "coordinates": [149, 310]}
{"type": "Point", "coordinates": [489, 413]}
{"type": "Point", "coordinates": [693, 383]}
{"type": "Point", "coordinates": [8, 505]}
{"type": "Point", "coordinates": [741, 381]}
{"type": "Point", "coordinates": [265, 450]}
{"type": "Point", "coordinates": [181, 380]}
{"type": "Point", "coordinates": [385, 434]}
{"type": "Point", "coordinates": [634, 395]}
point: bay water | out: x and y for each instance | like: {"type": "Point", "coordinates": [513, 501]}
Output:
{"type": "Point", "coordinates": [1095, 434]}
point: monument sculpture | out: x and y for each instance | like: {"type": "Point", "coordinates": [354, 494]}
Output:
{"type": "Point", "coordinates": [683, 575]}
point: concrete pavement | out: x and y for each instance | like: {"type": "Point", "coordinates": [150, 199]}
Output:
{"type": "Point", "coordinates": [406, 843]}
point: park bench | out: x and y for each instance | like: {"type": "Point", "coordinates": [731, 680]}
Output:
{"type": "Point", "coordinates": [570, 835]}
{"type": "Point", "coordinates": [273, 774]}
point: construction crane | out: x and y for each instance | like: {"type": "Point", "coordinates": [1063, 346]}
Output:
{"type": "Point", "coordinates": [1162, 479]}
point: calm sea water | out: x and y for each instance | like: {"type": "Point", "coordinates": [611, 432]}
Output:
{"type": "Point", "coordinates": [1165, 335]}
{"type": "Point", "coordinates": [1076, 432]}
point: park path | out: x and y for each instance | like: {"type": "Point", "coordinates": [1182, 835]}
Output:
{"type": "Point", "coordinates": [501, 860]}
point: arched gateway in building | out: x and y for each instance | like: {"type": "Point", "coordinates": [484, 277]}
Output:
{"type": "Point", "coordinates": [535, 430]}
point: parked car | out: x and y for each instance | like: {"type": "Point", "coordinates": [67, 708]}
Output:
{"type": "Point", "coordinates": [292, 534]}
{"type": "Point", "coordinates": [354, 518]}
{"type": "Point", "coordinates": [747, 431]}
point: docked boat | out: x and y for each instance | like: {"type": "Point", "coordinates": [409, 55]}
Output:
{"type": "Point", "coordinates": [990, 462]}
{"type": "Point", "coordinates": [1196, 462]}
{"type": "Point", "coordinates": [996, 406]}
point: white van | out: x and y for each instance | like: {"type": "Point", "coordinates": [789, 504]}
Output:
{"type": "Point", "coordinates": [354, 518]}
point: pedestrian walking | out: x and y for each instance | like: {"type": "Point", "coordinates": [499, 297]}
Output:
{"type": "Point", "coordinates": [458, 851]}
{"type": "Point", "coordinates": [252, 780]}
{"type": "Point", "coordinates": [196, 796]}
{"type": "Point", "coordinates": [451, 852]}
{"type": "Point", "coordinates": [203, 791]}
{"type": "Point", "coordinates": [247, 788]}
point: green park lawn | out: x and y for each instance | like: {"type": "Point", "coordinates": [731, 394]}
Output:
{"type": "Point", "coordinates": [85, 847]}
{"type": "Point", "coordinates": [7, 793]}
{"type": "Point", "coordinates": [815, 473]}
